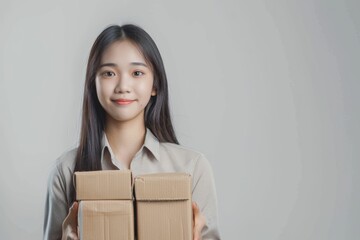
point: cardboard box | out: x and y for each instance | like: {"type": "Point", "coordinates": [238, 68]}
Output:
{"type": "Point", "coordinates": [163, 206]}
{"type": "Point", "coordinates": [106, 209]}
{"type": "Point", "coordinates": [103, 185]}
{"type": "Point", "coordinates": [106, 219]}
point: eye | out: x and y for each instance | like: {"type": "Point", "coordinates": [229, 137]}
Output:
{"type": "Point", "coordinates": [138, 73]}
{"type": "Point", "coordinates": [107, 74]}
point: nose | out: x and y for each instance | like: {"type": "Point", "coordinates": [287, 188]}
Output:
{"type": "Point", "coordinates": [123, 84]}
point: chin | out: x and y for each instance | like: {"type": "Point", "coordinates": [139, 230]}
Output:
{"type": "Point", "coordinates": [126, 118]}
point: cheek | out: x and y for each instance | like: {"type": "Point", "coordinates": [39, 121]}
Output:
{"type": "Point", "coordinates": [103, 90]}
{"type": "Point", "coordinates": [144, 90]}
{"type": "Point", "coordinates": [146, 87]}
{"type": "Point", "coordinates": [99, 91]}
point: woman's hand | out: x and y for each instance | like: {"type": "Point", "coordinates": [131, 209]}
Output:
{"type": "Point", "coordinates": [69, 226]}
{"type": "Point", "coordinates": [199, 221]}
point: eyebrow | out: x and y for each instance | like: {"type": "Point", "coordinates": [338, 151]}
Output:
{"type": "Point", "coordinates": [115, 65]}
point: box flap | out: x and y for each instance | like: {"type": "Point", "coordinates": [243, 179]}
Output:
{"type": "Point", "coordinates": [103, 185]}
{"type": "Point", "coordinates": [163, 186]}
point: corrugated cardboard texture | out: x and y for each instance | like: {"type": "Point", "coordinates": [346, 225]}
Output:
{"type": "Point", "coordinates": [164, 220]}
{"type": "Point", "coordinates": [103, 185]}
{"type": "Point", "coordinates": [163, 186]}
{"type": "Point", "coordinates": [163, 203]}
{"type": "Point", "coordinates": [106, 220]}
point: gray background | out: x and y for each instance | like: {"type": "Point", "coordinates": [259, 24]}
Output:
{"type": "Point", "coordinates": [268, 90]}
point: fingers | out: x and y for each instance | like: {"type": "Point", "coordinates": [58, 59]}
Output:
{"type": "Point", "coordinates": [74, 209]}
{"type": "Point", "coordinates": [69, 226]}
{"type": "Point", "coordinates": [72, 236]}
{"type": "Point", "coordinates": [199, 221]}
{"type": "Point", "coordinates": [73, 213]}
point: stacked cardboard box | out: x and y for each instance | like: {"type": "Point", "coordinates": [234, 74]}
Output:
{"type": "Point", "coordinates": [163, 206]}
{"type": "Point", "coordinates": [105, 208]}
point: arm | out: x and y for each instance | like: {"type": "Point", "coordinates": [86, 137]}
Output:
{"type": "Point", "coordinates": [204, 194]}
{"type": "Point", "coordinates": [56, 206]}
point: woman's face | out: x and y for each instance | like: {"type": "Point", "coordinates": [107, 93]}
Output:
{"type": "Point", "coordinates": [124, 82]}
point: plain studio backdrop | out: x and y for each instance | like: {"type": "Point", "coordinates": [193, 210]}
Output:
{"type": "Point", "coordinates": [267, 90]}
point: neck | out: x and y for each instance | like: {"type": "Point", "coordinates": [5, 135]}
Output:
{"type": "Point", "coordinates": [125, 138]}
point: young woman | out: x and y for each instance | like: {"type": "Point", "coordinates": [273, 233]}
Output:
{"type": "Point", "coordinates": [126, 124]}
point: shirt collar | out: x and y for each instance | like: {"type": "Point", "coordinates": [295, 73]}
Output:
{"type": "Point", "coordinates": [151, 143]}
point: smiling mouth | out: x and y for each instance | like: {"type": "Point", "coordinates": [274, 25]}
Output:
{"type": "Point", "coordinates": [123, 101]}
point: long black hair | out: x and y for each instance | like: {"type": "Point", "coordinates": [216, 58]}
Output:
{"type": "Point", "coordinates": [157, 113]}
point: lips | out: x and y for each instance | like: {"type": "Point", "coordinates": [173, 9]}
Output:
{"type": "Point", "coordinates": [122, 101]}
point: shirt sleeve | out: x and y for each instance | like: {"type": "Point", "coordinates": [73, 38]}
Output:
{"type": "Point", "coordinates": [204, 194]}
{"type": "Point", "coordinates": [56, 206]}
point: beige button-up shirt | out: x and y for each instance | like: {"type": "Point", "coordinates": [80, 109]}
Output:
{"type": "Point", "coordinates": [153, 157]}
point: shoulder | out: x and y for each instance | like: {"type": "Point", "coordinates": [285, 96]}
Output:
{"type": "Point", "coordinates": [179, 150]}
{"type": "Point", "coordinates": [178, 147]}
{"type": "Point", "coordinates": [192, 161]}
{"type": "Point", "coordinates": [189, 158]}
{"type": "Point", "coordinates": [63, 168]}
{"type": "Point", "coordinates": [67, 160]}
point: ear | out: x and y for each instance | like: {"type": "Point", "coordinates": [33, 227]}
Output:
{"type": "Point", "coordinates": [153, 92]}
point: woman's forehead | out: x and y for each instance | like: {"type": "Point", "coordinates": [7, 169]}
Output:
{"type": "Point", "coordinates": [122, 52]}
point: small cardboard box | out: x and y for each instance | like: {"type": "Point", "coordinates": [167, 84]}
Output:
{"type": "Point", "coordinates": [106, 208]}
{"type": "Point", "coordinates": [103, 185]}
{"type": "Point", "coordinates": [163, 206]}
{"type": "Point", "coordinates": [106, 219]}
